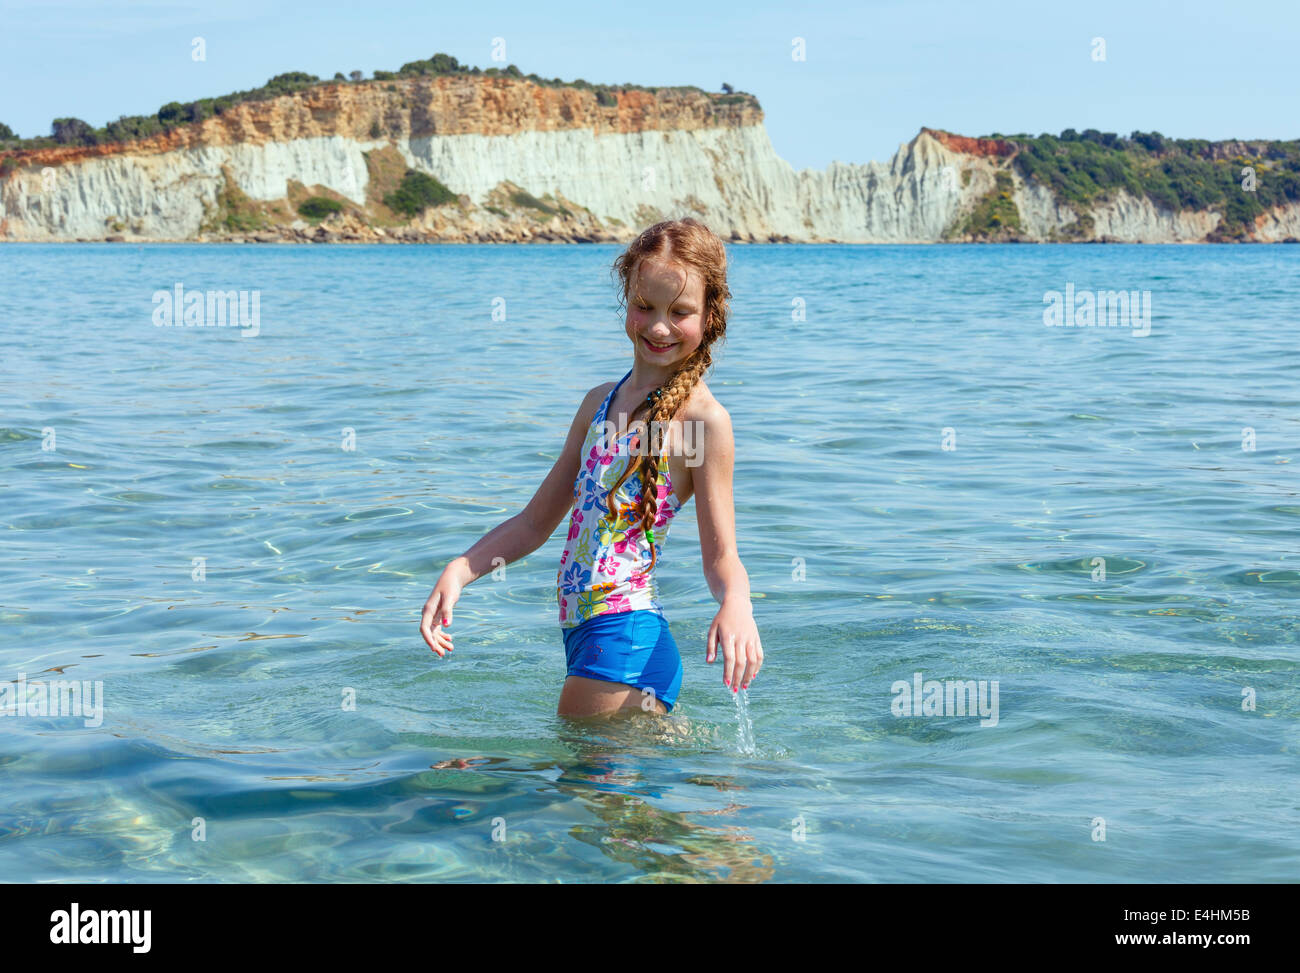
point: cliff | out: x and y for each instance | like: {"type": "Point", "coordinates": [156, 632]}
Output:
{"type": "Point", "coordinates": [528, 161]}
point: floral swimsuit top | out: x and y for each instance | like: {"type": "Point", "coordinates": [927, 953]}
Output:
{"type": "Point", "coordinates": [605, 567]}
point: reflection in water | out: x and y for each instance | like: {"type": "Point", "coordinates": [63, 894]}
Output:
{"type": "Point", "coordinates": [610, 776]}
{"type": "Point", "coordinates": [617, 766]}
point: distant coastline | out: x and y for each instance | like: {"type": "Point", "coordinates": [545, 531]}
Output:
{"type": "Point", "coordinates": [438, 152]}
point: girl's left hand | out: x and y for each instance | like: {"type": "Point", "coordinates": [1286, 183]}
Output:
{"type": "Point", "coordinates": [734, 630]}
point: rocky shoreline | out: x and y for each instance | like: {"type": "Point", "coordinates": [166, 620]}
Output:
{"type": "Point", "coordinates": [349, 229]}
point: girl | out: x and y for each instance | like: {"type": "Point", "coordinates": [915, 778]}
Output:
{"type": "Point", "coordinates": [620, 653]}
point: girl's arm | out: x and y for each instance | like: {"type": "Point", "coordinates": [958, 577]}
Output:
{"type": "Point", "coordinates": [517, 537]}
{"type": "Point", "coordinates": [733, 626]}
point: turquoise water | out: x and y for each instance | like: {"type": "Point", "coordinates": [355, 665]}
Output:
{"type": "Point", "coordinates": [873, 552]}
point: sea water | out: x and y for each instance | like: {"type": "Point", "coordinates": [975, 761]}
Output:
{"type": "Point", "coordinates": [232, 535]}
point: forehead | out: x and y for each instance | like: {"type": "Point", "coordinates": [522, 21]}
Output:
{"type": "Point", "coordinates": [660, 280]}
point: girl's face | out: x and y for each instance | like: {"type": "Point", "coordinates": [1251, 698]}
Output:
{"type": "Point", "coordinates": [665, 327]}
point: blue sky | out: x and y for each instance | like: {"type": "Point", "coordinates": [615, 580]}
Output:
{"type": "Point", "coordinates": [875, 71]}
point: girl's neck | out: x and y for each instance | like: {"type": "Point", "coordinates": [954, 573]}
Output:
{"type": "Point", "coordinates": [646, 378]}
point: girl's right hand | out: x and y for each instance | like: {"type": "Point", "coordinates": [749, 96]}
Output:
{"type": "Point", "coordinates": [437, 613]}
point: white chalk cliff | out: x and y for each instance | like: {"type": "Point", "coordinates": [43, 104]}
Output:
{"type": "Point", "coordinates": [583, 170]}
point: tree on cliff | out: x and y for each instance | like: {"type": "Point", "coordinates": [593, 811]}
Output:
{"type": "Point", "coordinates": [129, 127]}
{"type": "Point", "coordinates": [290, 81]}
{"type": "Point", "coordinates": [73, 131]}
{"type": "Point", "coordinates": [6, 132]}
{"type": "Point", "coordinates": [436, 65]}
{"type": "Point", "coordinates": [1151, 141]}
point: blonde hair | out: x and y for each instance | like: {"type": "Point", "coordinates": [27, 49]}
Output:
{"type": "Point", "coordinates": [689, 244]}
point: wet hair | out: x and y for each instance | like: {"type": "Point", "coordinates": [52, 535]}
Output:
{"type": "Point", "coordinates": [690, 245]}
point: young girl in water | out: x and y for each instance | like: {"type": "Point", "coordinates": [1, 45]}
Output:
{"type": "Point", "coordinates": [619, 650]}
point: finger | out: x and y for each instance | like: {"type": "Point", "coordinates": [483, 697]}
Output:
{"type": "Point", "coordinates": [426, 616]}
{"type": "Point", "coordinates": [750, 655]}
{"type": "Point", "coordinates": [729, 653]}
{"type": "Point", "coordinates": [442, 643]}
{"type": "Point", "coordinates": [757, 661]}
{"type": "Point", "coordinates": [742, 665]}
{"type": "Point", "coordinates": [711, 645]}
{"type": "Point", "coordinates": [751, 669]}
{"type": "Point", "coordinates": [437, 640]}
{"type": "Point", "coordinates": [426, 630]}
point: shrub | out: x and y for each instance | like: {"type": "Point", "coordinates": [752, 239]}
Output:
{"type": "Point", "coordinates": [319, 207]}
{"type": "Point", "coordinates": [171, 114]}
{"type": "Point", "coordinates": [129, 127]}
{"type": "Point", "coordinates": [417, 193]}
{"type": "Point", "coordinates": [522, 198]}
{"type": "Point", "coordinates": [73, 131]}
{"type": "Point", "coordinates": [290, 82]}
{"type": "Point", "coordinates": [1153, 142]}
{"type": "Point", "coordinates": [436, 65]}
{"type": "Point", "coordinates": [995, 215]}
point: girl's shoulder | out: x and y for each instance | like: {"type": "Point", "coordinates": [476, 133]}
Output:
{"type": "Point", "coordinates": [596, 398]}
{"type": "Point", "coordinates": [701, 406]}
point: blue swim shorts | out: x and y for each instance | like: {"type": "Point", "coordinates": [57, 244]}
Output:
{"type": "Point", "coordinates": [631, 647]}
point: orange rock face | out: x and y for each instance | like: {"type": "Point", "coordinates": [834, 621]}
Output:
{"type": "Point", "coordinates": [416, 107]}
{"type": "Point", "coordinates": [982, 147]}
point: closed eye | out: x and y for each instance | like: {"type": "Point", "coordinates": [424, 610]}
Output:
{"type": "Point", "coordinates": [678, 310]}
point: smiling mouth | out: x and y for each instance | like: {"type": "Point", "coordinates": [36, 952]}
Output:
{"type": "Point", "coordinates": [659, 348]}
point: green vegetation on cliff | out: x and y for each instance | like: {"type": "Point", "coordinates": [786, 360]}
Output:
{"type": "Point", "coordinates": [1239, 180]}
{"type": "Point", "coordinates": [527, 199]}
{"type": "Point", "coordinates": [995, 216]}
{"type": "Point", "coordinates": [74, 131]}
{"type": "Point", "coordinates": [234, 212]}
{"type": "Point", "coordinates": [417, 193]}
{"type": "Point", "coordinates": [319, 207]}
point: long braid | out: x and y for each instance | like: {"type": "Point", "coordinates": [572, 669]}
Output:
{"type": "Point", "coordinates": [690, 243]}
